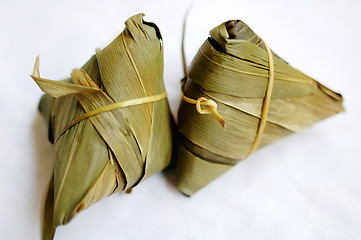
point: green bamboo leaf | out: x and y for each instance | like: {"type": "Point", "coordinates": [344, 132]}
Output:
{"type": "Point", "coordinates": [48, 228]}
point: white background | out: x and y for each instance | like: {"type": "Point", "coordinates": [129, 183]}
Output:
{"type": "Point", "coordinates": [307, 186]}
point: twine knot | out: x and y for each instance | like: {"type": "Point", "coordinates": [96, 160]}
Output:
{"type": "Point", "coordinates": [209, 106]}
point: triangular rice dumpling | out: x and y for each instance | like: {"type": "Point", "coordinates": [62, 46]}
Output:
{"type": "Point", "coordinates": [256, 95]}
{"type": "Point", "coordinates": [110, 123]}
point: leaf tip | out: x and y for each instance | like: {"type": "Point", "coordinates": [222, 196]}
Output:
{"type": "Point", "coordinates": [36, 68]}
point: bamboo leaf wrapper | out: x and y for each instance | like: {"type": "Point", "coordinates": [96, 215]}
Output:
{"type": "Point", "coordinates": [230, 76]}
{"type": "Point", "coordinates": [110, 123]}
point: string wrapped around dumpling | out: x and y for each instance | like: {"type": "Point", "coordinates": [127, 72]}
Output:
{"type": "Point", "coordinates": [110, 123]}
{"type": "Point", "coordinates": [255, 95]}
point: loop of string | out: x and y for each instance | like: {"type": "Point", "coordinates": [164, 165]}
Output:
{"type": "Point", "coordinates": [111, 107]}
{"type": "Point", "coordinates": [210, 106]}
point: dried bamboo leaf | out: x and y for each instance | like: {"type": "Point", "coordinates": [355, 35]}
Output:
{"type": "Point", "coordinates": [232, 71]}
{"type": "Point", "coordinates": [48, 228]}
{"type": "Point", "coordinates": [110, 122]}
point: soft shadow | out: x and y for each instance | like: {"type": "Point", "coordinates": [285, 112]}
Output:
{"type": "Point", "coordinates": [43, 163]}
{"type": "Point", "coordinates": [169, 173]}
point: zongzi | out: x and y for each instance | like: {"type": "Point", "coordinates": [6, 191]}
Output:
{"type": "Point", "coordinates": [255, 97]}
{"type": "Point", "coordinates": [110, 123]}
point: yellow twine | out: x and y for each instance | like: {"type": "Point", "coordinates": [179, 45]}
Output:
{"type": "Point", "coordinates": [210, 107]}
{"type": "Point", "coordinates": [111, 107]}
{"type": "Point", "coordinates": [266, 102]}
